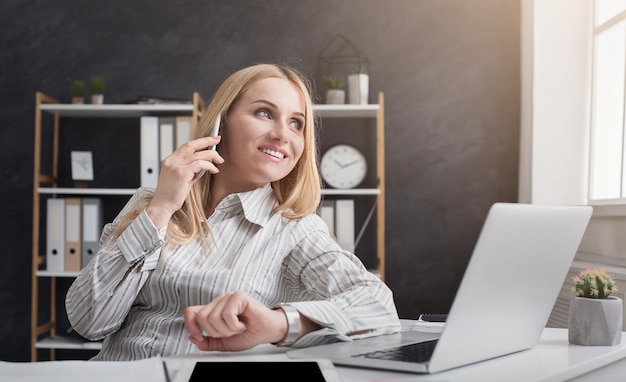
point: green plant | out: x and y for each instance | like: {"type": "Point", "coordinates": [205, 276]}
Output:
{"type": "Point", "coordinates": [77, 88]}
{"type": "Point", "coordinates": [359, 69]}
{"type": "Point", "coordinates": [593, 283]}
{"type": "Point", "coordinates": [96, 85]}
{"type": "Point", "coordinates": [334, 82]}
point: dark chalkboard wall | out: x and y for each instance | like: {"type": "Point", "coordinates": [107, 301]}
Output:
{"type": "Point", "coordinates": [449, 70]}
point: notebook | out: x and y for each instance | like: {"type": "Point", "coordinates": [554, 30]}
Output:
{"type": "Point", "coordinates": [512, 280]}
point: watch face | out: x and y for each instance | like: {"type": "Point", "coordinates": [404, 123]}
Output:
{"type": "Point", "coordinates": [343, 166]}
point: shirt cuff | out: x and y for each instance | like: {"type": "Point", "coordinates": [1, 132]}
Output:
{"type": "Point", "coordinates": [141, 239]}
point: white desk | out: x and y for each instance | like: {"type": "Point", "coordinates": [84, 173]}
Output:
{"type": "Point", "coordinates": [553, 359]}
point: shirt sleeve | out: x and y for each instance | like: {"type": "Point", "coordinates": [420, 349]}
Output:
{"type": "Point", "coordinates": [347, 300]}
{"type": "Point", "coordinates": [100, 297]}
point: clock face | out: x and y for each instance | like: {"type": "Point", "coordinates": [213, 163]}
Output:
{"type": "Point", "coordinates": [343, 166]}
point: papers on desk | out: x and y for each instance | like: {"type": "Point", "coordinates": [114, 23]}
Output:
{"type": "Point", "coordinates": [428, 326]}
{"type": "Point", "coordinates": [150, 369]}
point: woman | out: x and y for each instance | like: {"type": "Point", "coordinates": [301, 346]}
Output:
{"type": "Point", "coordinates": [237, 257]}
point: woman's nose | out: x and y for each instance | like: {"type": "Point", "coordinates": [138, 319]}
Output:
{"type": "Point", "coordinates": [280, 130]}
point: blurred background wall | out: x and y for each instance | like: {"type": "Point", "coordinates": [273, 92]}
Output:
{"type": "Point", "coordinates": [449, 70]}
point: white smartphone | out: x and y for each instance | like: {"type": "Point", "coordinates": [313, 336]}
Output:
{"type": "Point", "coordinates": [313, 370]}
{"type": "Point", "coordinates": [214, 132]}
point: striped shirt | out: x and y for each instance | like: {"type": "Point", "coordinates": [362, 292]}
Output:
{"type": "Point", "coordinates": [133, 292]}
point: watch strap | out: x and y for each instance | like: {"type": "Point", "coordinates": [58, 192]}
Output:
{"type": "Point", "coordinates": [293, 325]}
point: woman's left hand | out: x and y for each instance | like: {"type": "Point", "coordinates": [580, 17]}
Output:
{"type": "Point", "coordinates": [234, 321]}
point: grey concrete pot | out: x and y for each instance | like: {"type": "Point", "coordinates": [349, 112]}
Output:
{"type": "Point", "coordinates": [358, 88]}
{"type": "Point", "coordinates": [595, 322]}
{"type": "Point", "coordinates": [335, 96]}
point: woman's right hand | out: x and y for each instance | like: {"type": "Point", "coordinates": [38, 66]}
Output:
{"type": "Point", "coordinates": [234, 321]}
{"type": "Point", "coordinates": [178, 174]}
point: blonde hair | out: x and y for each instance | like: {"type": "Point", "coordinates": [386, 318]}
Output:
{"type": "Point", "coordinates": [298, 194]}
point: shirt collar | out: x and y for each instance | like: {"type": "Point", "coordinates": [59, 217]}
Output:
{"type": "Point", "coordinates": [257, 204]}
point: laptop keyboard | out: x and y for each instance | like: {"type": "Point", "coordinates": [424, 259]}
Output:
{"type": "Point", "coordinates": [417, 353]}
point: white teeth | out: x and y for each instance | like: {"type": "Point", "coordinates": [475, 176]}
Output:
{"type": "Point", "coordinates": [273, 153]}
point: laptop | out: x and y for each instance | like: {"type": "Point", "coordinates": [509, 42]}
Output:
{"type": "Point", "coordinates": [512, 280]}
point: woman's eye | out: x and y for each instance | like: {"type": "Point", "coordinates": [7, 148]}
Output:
{"type": "Point", "coordinates": [296, 124]}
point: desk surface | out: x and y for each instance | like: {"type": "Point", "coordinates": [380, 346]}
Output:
{"type": "Point", "coordinates": [553, 359]}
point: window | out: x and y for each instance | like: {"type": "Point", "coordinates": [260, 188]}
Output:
{"type": "Point", "coordinates": [607, 177]}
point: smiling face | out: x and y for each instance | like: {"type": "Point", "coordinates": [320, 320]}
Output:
{"type": "Point", "coordinates": [262, 139]}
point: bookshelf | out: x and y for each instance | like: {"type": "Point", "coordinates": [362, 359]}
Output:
{"type": "Point", "coordinates": [46, 185]}
{"type": "Point", "coordinates": [376, 112]}
{"type": "Point", "coordinates": [44, 335]}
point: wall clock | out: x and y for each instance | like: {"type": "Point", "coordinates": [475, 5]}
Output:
{"type": "Point", "coordinates": [82, 165]}
{"type": "Point", "coordinates": [343, 166]}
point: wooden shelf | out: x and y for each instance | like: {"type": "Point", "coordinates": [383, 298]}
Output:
{"type": "Point", "coordinates": [352, 191]}
{"type": "Point", "coordinates": [374, 112]}
{"type": "Point", "coordinates": [347, 111]}
{"type": "Point", "coordinates": [86, 191]}
{"type": "Point", "coordinates": [130, 191]}
{"type": "Point", "coordinates": [43, 273]}
{"type": "Point", "coordinates": [64, 342]}
{"type": "Point", "coordinates": [135, 111]}
{"type": "Point", "coordinates": [47, 105]}
{"type": "Point", "coordinates": [114, 111]}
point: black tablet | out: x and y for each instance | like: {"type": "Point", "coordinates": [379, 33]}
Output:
{"type": "Point", "coordinates": [275, 371]}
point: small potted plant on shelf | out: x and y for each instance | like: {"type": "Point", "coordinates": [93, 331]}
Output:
{"type": "Point", "coordinates": [358, 86]}
{"type": "Point", "coordinates": [335, 93]}
{"type": "Point", "coordinates": [595, 317]}
{"type": "Point", "coordinates": [77, 91]}
{"type": "Point", "coordinates": [97, 87]}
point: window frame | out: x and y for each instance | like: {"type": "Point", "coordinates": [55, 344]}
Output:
{"type": "Point", "coordinates": [615, 206]}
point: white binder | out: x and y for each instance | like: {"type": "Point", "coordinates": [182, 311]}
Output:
{"type": "Point", "coordinates": [55, 234]}
{"type": "Point", "coordinates": [327, 212]}
{"type": "Point", "coordinates": [92, 228]}
{"type": "Point", "coordinates": [183, 129]}
{"type": "Point", "coordinates": [166, 136]}
{"type": "Point", "coordinates": [149, 151]}
{"type": "Point", "coordinates": [73, 233]}
{"type": "Point", "coordinates": [344, 223]}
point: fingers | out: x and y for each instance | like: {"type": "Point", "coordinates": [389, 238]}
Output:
{"type": "Point", "coordinates": [178, 174]}
{"type": "Point", "coordinates": [202, 146]}
{"type": "Point", "coordinates": [223, 318]}
{"type": "Point", "coordinates": [193, 157]}
{"type": "Point", "coordinates": [202, 143]}
{"type": "Point", "coordinates": [233, 321]}
{"type": "Point", "coordinates": [191, 324]}
{"type": "Point", "coordinates": [218, 319]}
{"type": "Point", "coordinates": [196, 335]}
{"type": "Point", "coordinates": [202, 345]}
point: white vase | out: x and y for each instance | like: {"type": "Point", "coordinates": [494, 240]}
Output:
{"type": "Point", "coordinates": [335, 96]}
{"type": "Point", "coordinates": [97, 99]}
{"type": "Point", "coordinates": [358, 88]}
{"type": "Point", "coordinates": [595, 322]}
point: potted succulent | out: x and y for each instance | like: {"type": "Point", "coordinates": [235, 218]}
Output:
{"type": "Point", "coordinates": [77, 91]}
{"type": "Point", "coordinates": [335, 93]}
{"type": "Point", "coordinates": [595, 317]}
{"type": "Point", "coordinates": [358, 86]}
{"type": "Point", "coordinates": [97, 87]}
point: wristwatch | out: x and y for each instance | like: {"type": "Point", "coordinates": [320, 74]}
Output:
{"type": "Point", "coordinates": [293, 324]}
